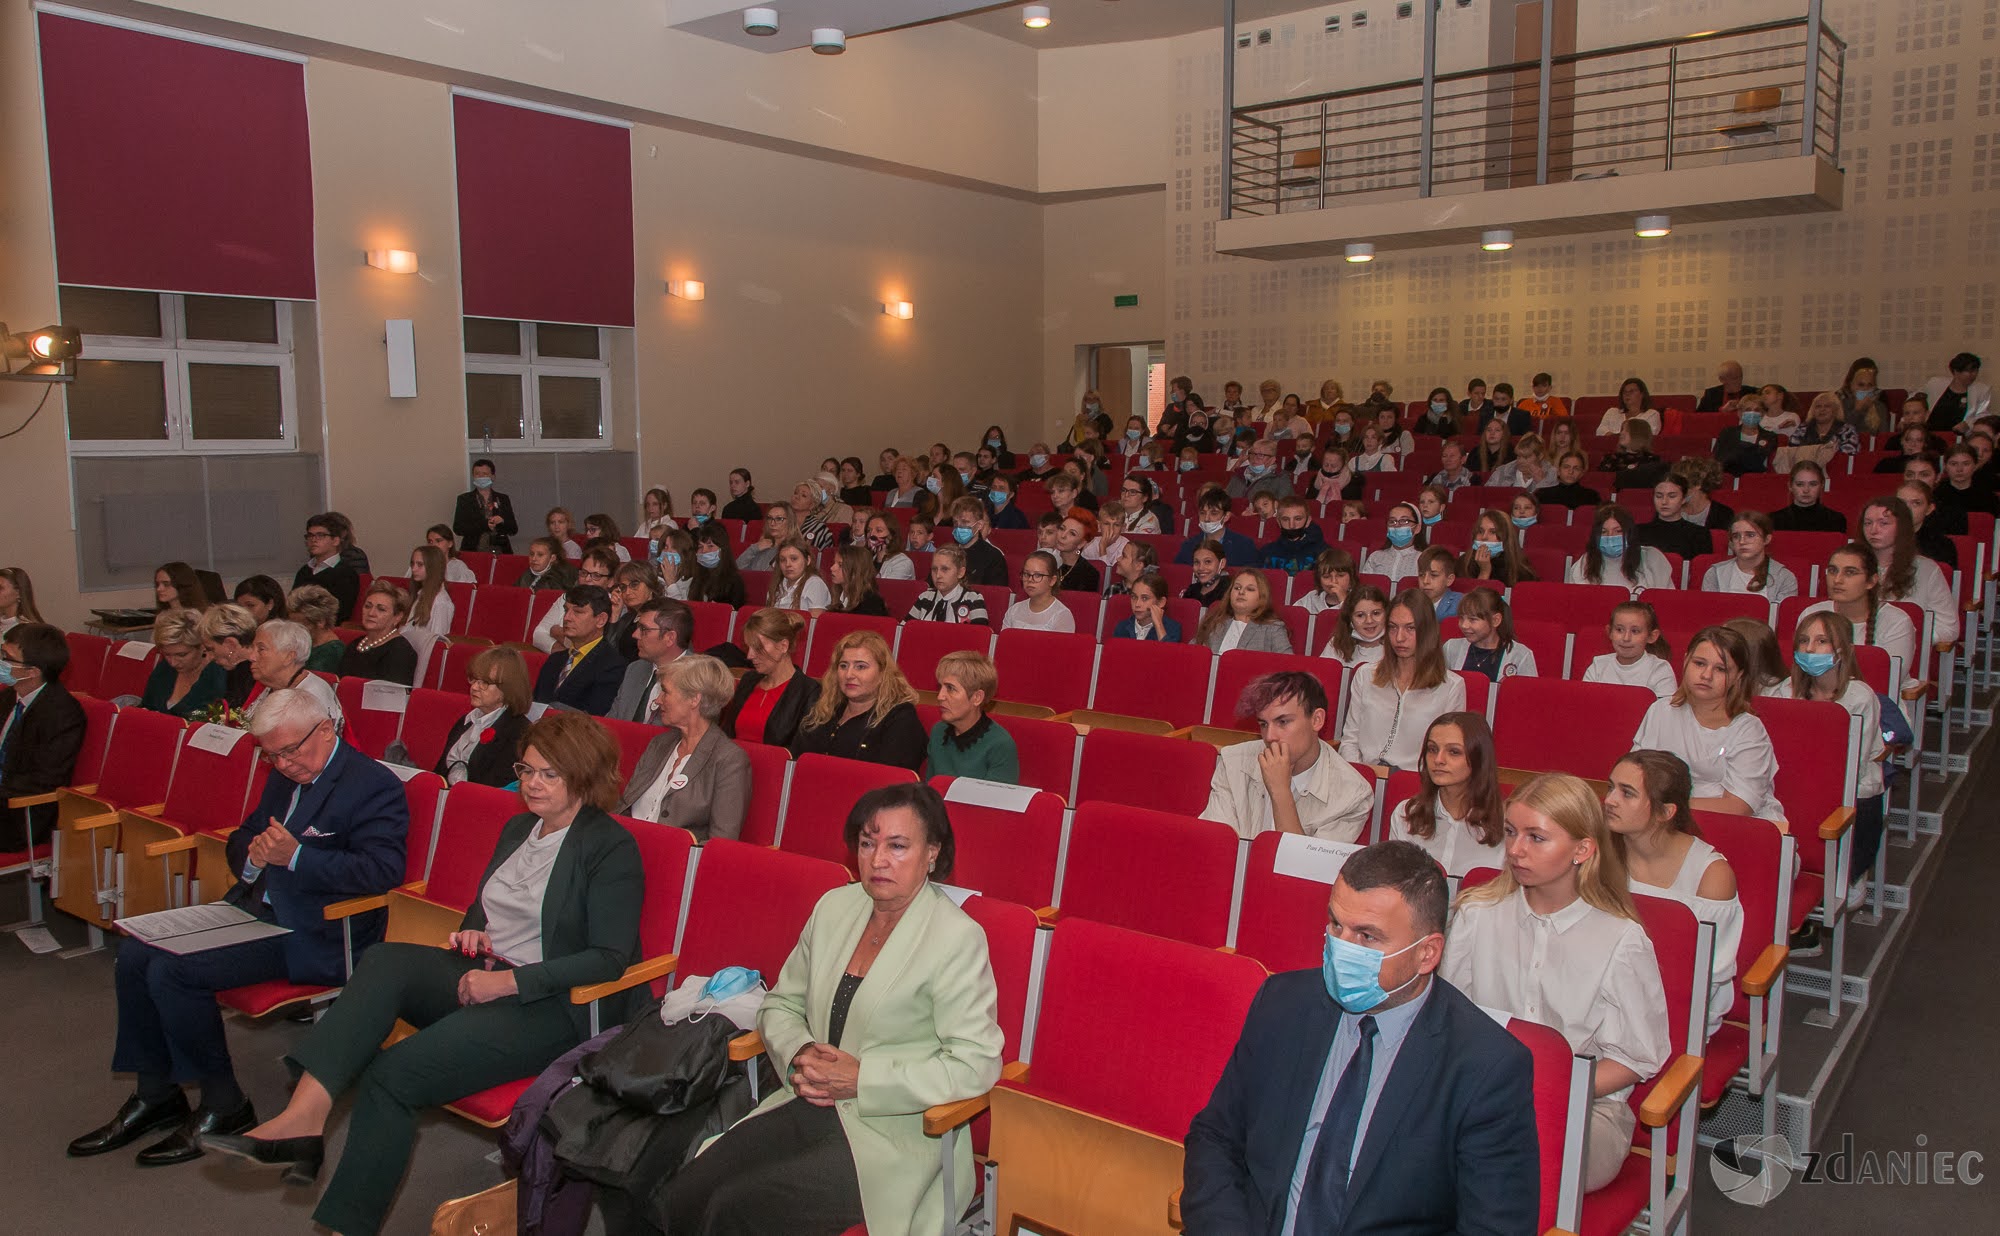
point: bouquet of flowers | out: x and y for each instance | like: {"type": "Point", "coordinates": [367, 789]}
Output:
{"type": "Point", "coordinates": [220, 712]}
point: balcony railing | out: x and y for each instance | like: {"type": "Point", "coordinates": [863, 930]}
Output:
{"type": "Point", "coordinates": [1729, 96]}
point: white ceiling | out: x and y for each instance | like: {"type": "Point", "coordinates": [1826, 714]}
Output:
{"type": "Point", "coordinates": [1077, 23]}
{"type": "Point", "coordinates": [797, 19]}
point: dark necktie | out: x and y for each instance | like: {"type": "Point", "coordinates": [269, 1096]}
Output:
{"type": "Point", "coordinates": [13, 728]}
{"type": "Point", "coordinates": [1323, 1202]}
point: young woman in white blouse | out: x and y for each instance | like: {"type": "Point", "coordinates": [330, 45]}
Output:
{"type": "Point", "coordinates": [1358, 628]}
{"type": "Point", "coordinates": [432, 610]}
{"type": "Point", "coordinates": [1395, 439]}
{"type": "Point", "coordinates": [1853, 582]}
{"type": "Point", "coordinates": [1708, 723]}
{"type": "Point", "coordinates": [1648, 806]}
{"type": "Point", "coordinates": [1823, 668]}
{"type": "Point", "coordinates": [1907, 575]}
{"type": "Point", "coordinates": [1243, 618]}
{"type": "Point", "coordinates": [1374, 455]}
{"type": "Point", "coordinates": [1487, 645]}
{"type": "Point", "coordinates": [1456, 813]}
{"type": "Point", "coordinates": [1390, 706]}
{"type": "Point", "coordinates": [1749, 568]}
{"type": "Point", "coordinates": [1334, 572]}
{"type": "Point", "coordinates": [1639, 655]}
{"type": "Point", "coordinates": [1405, 543]}
{"type": "Point", "coordinates": [1555, 938]}
{"type": "Point", "coordinates": [1039, 609]}
{"type": "Point", "coordinates": [455, 571]}
{"type": "Point", "coordinates": [1613, 555]}
{"type": "Point", "coordinates": [796, 584]}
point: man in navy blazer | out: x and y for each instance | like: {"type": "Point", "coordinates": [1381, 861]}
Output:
{"type": "Point", "coordinates": [1371, 1096]}
{"type": "Point", "coordinates": [586, 673]}
{"type": "Point", "coordinates": [331, 825]}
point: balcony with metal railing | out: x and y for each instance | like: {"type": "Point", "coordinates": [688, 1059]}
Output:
{"type": "Point", "coordinates": [1721, 124]}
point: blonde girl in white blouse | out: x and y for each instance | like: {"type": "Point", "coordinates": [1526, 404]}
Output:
{"type": "Point", "coordinates": [1555, 938]}
{"type": "Point", "coordinates": [1749, 569]}
{"type": "Point", "coordinates": [1390, 706]}
{"type": "Point", "coordinates": [1647, 805]}
{"type": "Point", "coordinates": [1708, 723]}
{"type": "Point", "coordinates": [1457, 813]}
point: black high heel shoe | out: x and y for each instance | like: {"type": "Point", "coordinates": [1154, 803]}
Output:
{"type": "Point", "coordinates": [301, 1157]}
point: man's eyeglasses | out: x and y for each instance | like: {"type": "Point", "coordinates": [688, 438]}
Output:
{"type": "Point", "coordinates": [594, 576]}
{"type": "Point", "coordinates": [320, 536]}
{"type": "Point", "coordinates": [286, 754]}
{"type": "Point", "coordinates": [525, 773]}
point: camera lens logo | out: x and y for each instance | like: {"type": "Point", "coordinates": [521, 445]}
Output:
{"type": "Point", "coordinates": [1751, 1169]}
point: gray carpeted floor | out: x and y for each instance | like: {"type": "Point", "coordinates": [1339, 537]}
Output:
{"type": "Point", "coordinates": [56, 1020]}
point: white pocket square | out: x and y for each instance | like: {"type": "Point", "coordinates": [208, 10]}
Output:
{"type": "Point", "coordinates": [314, 832]}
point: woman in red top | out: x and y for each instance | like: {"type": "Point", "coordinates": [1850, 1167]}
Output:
{"type": "Point", "coordinates": [771, 699]}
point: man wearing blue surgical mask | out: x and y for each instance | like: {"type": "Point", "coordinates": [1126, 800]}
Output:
{"type": "Point", "coordinates": [484, 517]}
{"type": "Point", "coordinates": [41, 730]}
{"type": "Point", "coordinates": [1335, 1066]}
{"type": "Point", "coordinates": [1260, 473]}
{"type": "Point", "coordinates": [969, 525]}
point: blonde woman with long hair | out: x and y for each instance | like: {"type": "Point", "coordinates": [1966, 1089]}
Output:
{"type": "Point", "coordinates": [866, 709]}
{"type": "Point", "coordinates": [1555, 938]}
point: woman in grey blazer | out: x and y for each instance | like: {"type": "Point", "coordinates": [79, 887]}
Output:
{"type": "Point", "coordinates": [1244, 618]}
{"type": "Point", "coordinates": [692, 776]}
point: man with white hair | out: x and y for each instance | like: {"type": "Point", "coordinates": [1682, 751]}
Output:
{"type": "Point", "coordinates": [330, 826]}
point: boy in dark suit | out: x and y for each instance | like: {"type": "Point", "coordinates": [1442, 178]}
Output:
{"type": "Point", "coordinates": [41, 731]}
{"type": "Point", "coordinates": [587, 677]}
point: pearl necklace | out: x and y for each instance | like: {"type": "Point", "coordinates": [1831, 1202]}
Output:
{"type": "Point", "coordinates": [367, 644]}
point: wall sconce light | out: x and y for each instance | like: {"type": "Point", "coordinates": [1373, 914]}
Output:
{"type": "Point", "coordinates": [1360, 251]}
{"type": "Point", "coordinates": [1035, 16]}
{"type": "Point", "coordinates": [902, 310]}
{"type": "Point", "coordinates": [395, 261]}
{"type": "Point", "coordinates": [687, 289]}
{"type": "Point", "coordinates": [1651, 226]}
{"type": "Point", "coordinates": [47, 355]}
{"type": "Point", "coordinates": [1496, 240]}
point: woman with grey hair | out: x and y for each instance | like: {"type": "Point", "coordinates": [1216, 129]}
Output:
{"type": "Point", "coordinates": [227, 631]}
{"type": "Point", "coordinates": [692, 776]}
{"type": "Point", "coordinates": [318, 611]}
{"type": "Point", "coordinates": [278, 660]}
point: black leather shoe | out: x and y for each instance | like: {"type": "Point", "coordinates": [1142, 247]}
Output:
{"type": "Point", "coordinates": [133, 1121]}
{"type": "Point", "coordinates": [301, 1157]}
{"type": "Point", "coordinates": [184, 1143]}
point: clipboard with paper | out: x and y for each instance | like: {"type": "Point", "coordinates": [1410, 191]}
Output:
{"type": "Point", "coordinates": [198, 929]}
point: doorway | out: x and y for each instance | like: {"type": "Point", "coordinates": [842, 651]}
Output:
{"type": "Point", "coordinates": [1131, 379]}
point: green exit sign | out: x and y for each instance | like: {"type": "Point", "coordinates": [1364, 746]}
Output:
{"type": "Point", "coordinates": [1128, 301]}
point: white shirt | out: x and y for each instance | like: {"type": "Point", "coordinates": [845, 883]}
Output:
{"type": "Point", "coordinates": [513, 897]}
{"type": "Point", "coordinates": [1614, 420]}
{"type": "Point", "coordinates": [1057, 617]}
{"type": "Point", "coordinates": [1386, 726]}
{"type": "Point", "coordinates": [1145, 523]}
{"type": "Point", "coordinates": [1364, 654]}
{"type": "Point", "coordinates": [1518, 659]}
{"type": "Point", "coordinates": [648, 804]}
{"type": "Point", "coordinates": [1314, 602]}
{"type": "Point", "coordinates": [1729, 576]}
{"type": "Point", "coordinates": [1097, 551]}
{"type": "Point", "coordinates": [896, 566]}
{"type": "Point", "coordinates": [1726, 915]}
{"type": "Point", "coordinates": [1452, 843]}
{"type": "Point", "coordinates": [1395, 563]}
{"type": "Point", "coordinates": [1931, 590]}
{"type": "Point", "coordinates": [1589, 974]}
{"type": "Point", "coordinates": [313, 685]}
{"type": "Point", "coordinates": [1334, 802]}
{"type": "Point", "coordinates": [1861, 700]}
{"type": "Point", "coordinates": [1648, 671]}
{"type": "Point", "coordinates": [1653, 572]}
{"type": "Point", "coordinates": [1736, 759]}
{"type": "Point", "coordinates": [571, 550]}
{"type": "Point", "coordinates": [441, 612]}
{"type": "Point", "coordinates": [1893, 634]}
{"type": "Point", "coordinates": [7, 718]}
{"type": "Point", "coordinates": [551, 622]}
{"type": "Point", "coordinates": [456, 572]}
{"type": "Point", "coordinates": [811, 594]}
{"type": "Point", "coordinates": [461, 751]}
{"type": "Point", "coordinates": [678, 590]}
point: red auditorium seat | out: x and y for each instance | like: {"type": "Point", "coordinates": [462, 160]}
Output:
{"type": "Point", "coordinates": [1147, 678]}
{"type": "Point", "coordinates": [86, 662]}
{"type": "Point", "coordinates": [1570, 606]}
{"type": "Point", "coordinates": [1236, 668]}
{"type": "Point", "coordinates": [126, 668]}
{"type": "Point", "coordinates": [1170, 875]}
{"type": "Point", "coordinates": [1163, 774]}
{"type": "Point", "coordinates": [205, 802]}
{"type": "Point", "coordinates": [480, 563]}
{"type": "Point", "coordinates": [371, 729]}
{"type": "Point", "coordinates": [502, 614]}
{"type": "Point", "coordinates": [1049, 668]}
{"type": "Point", "coordinates": [427, 723]}
{"type": "Point", "coordinates": [1553, 725]}
{"type": "Point", "coordinates": [921, 645]}
{"type": "Point", "coordinates": [632, 738]}
{"type": "Point", "coordinates": [769, 768]}
{"type": "Point", "coordinates": [824, 789]}
{"type": "Point", "coordinates": [713, 622]}
{"type": "Point", "coordinates": [829, 628]}
{"type": "Point", "coordinates": [1818, 748]}
{"type": "Point", "coordinates": [1747, 1043]}
{"type": "Point", "coordinates": [1047, 751]}
{"type": "Point", "coordinates": [730, 876]}
{"type": "Point", "coordinates": [138, 765]}
{"type": "Point", "coordinates": [1004, 853]}
{"type": "Point", "coordinates": [1282, 922]}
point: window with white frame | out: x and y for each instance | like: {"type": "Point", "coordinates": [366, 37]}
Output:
{"type": "Point", "coordinates": [168, 373]}
{"type": "Point", "coordinates": [536, 386]}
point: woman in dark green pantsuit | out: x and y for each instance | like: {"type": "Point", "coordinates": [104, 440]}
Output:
{"type": "Point", "coordinates": [557, 908]}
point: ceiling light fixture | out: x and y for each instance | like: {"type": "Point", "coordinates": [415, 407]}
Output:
{"type": "Point", "coordinates": [1651, 226]}
{"type": "Point", "coordinates": [760, 21]}
{"type": "Point", "coordinates": [1360, 251]}
{"type": "Point", "coordinates": [1496, 240]}
{"type": "Point", "coordinates": [1035, 16]}
{"type": "Point", "coordinates": [827, 41]}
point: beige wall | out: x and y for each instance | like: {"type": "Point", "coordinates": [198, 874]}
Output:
{"type": "Point", "coordinates": [1092, 251]}
{"type": "Point", "coordinates": [1101, 124]}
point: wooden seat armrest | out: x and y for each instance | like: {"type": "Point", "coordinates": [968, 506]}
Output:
{"type": "Point", "coordinates": [85, 790]}
{"type": "Point", "coordinates": [91, 823]}
{"type": "Point", "coordinates": [1765, 971]}
{"type": "Point", "coordinates": [1944, 645]}
{"type": "Point", "coordinates": [1048, 915]}
{"type": "Point", "coordinates": [942, 1118]}
{"type": "Point", "coordinates": [149, 809]}
{"type": "Point", "coordinates": [1183, 732]}
{"type": "Point", "coordinates": [1916, 692]}
{"type": "Point", "coordinates": [34, 800]}
{"type": "Point", "coordinates": [1670, 1092]}
{"type": "Point", "coordinates": [1836, 824]}
{"type": "Point", "coordinates": [643, 972]}
{"type": "Point", "coordinates": [160, 849]}
{"type": "Point", "coordinates": [1174, 1210]}
{"type": "Point", "coordinates": [746, 1046]}
{"type": "Point", "coordinates": [359, 905]}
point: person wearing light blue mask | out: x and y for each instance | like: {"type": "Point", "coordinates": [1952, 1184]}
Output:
{"type": "Point", "coordinates": [1613, 555]}
{"type": "Point", "coordinates": [484, 517]}
{"type": "Point", "coordinates": [1394, 1053]}
{"type": "Point", "coordinates": [1824, 669]}
{"type": "Point", "coordinates": [1405, 543]}
{"type": "Point", "coordinates": [41, 725]}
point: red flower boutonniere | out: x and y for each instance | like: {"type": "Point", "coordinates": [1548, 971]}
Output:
{"type": "Point", "coordinates": [486, 735]}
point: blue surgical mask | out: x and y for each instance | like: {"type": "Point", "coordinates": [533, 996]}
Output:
{"type": "Point", "coordinates": [1039, 461]}
{"type": "Point", "coordinates": [673, 557]}
{"type": "Point", "coordinates": [1353, 973]}
{"type": "Point", "coordinates": [1440, 406]}
{"type": "Point", "coordinates": [1752, 419]}
{"type": "Point", "coordinates": [1253, 471]}
{"type": "Point", "coordinates": [1611, 546]}
{"type": "Point", "coordinates": [1212, 527]}
{"type": "Point", "coordinates": [1342, 430]}
{"type": "Point", "coordinates": [963, 535]}
{"type": "Point", "coordinates": [1491, 547]}
{"type": "Point", "coordinates": [1401, 537]}
{"type": "Point", "coordinates": [1133, 435]}
{"type": "Point", "coordinates": [709, 557]}
{"type": "Point", "coordinates": [998, 497]}
{"type": "Point", "coordinates": [1524, 521]}
{"type": "Point", "coordinates": [1433, 519]}
{"type": "Point", "coordinates": [731, 981]}
{"type": "Point", "coordinates": [964, 477]}
{"type": "Point", "coordinates": [1864, 392]}
{"type": "Point", "coordinates": [700, 518]}
{"type": "Point", "coordinates": [1813, 663]}
{"type": "Point", "coordinates": [482, 482]}
{"type": "Point", "coordinates": [933, 484]}
{"type": "Point", "coordinates": [7, 678]}
{"type": "Point", "coordinates": [994, 443]}
{"type": "Point", "coordinates": [1189, 465]}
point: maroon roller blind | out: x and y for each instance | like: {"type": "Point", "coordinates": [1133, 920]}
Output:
{"type": "Point", "coordinates": [544, 215]}
{"type": "Point", "coordinates": [176, 166]}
